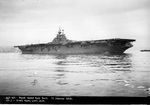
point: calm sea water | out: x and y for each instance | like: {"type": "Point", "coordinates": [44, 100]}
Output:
{"type": "Point", "coordinates": [75, 75]}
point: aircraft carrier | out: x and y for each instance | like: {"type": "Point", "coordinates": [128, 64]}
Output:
{"type": "Point", "coordinates": [61, 45]}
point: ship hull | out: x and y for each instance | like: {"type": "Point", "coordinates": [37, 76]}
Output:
{"type": "Point", "coordinates": [61, 45]}
{"type": "Point", "coordinates": [78, 51]}
{"type": "Point", "coordinates": [75, 48]}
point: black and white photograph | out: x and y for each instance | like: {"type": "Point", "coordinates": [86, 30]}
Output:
{"type": "Point", "coordinates": [81, 48]}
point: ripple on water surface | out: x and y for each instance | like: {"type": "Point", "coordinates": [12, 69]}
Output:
{"type": "Point", "coordinates": [80, 75]}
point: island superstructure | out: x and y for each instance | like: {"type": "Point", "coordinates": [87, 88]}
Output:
{"type": "Point", "coordinates": [61, 45]}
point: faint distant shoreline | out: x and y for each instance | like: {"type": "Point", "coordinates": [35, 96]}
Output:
{"type": "Point", "coordinates": [8, 49]}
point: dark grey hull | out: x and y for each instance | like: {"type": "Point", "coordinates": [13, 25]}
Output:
{"type": "Point", "coordinates": [74, 48]}
{"type": "Point", "coordinates": [61, 45]}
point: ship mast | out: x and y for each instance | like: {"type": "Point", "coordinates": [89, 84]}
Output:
{"type": "Point", "coordinates": [59, 32]}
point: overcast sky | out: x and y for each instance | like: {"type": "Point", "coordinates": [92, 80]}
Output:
{"type": "Point", "coordinates": [34, 21]}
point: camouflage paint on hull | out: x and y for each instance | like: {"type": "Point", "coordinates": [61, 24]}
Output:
{"type": "Point", "coordinates": [74, 48]}
{"type": "Point", "coordinates": [61, 45]}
